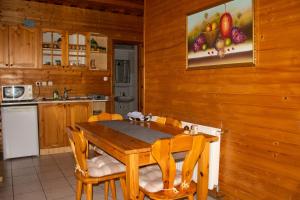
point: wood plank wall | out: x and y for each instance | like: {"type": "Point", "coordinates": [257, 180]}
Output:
{"type": "Point", "coordinates": [258, 106]}
{"type": "Point", "coordinates": [115, 26]}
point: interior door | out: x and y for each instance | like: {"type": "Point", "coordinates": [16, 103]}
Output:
{"type": "Point", "coordinates": [3, 46]}
{"type": "Point", "coordinates": [23, 46]}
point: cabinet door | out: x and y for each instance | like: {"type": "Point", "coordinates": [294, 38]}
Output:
{"type": "Point", "coordinates": [53, 48]}
{"type": "Point", "coordinates": [23, 47]}
{"type": "Point", "coordinates": [52, 124]}
{"type": "Point", "coordinates": [3, 46]}
{"type": "Point", "coordinates": [77, 49]}
{"type": "Point", "coordinates": [78, 112]}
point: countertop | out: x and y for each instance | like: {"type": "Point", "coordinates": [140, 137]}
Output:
{"type": "Point", "coordinates": [52, 101]}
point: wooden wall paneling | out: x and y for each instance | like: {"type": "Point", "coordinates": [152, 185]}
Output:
{"type": "Point", "coordinates": [62, 17]}
{"type": "Point", "coordinates": [257, 106]}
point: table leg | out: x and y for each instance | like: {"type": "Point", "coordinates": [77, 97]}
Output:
{"type": "Point", "coordinates": [132, 176]}
{"type": "Point", "coordinates": [203, 169]}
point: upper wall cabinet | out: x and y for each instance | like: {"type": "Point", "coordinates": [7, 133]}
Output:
{"type": "Point", "coordinates": [98, 49]}
{"type": "Point", "coordinates": [77, 49]}
{"type": "Point", "coordinates": [53, 48]}
{"type": "Point", "coordinates": [18, 47]}
{"type": "Point", "coordinates": [4, 46]}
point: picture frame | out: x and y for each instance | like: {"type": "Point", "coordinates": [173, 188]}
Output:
{"type": "Point", "coordinates": [221, 36]}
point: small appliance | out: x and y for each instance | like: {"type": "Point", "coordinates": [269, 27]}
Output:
{"type": "Point", "coordinates": [16, 93]}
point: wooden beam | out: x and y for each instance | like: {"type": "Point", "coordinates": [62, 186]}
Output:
{"type": "Point", "coordinates": [122, 3]}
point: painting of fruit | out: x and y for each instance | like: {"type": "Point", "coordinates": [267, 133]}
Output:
{"type": "Point", "coordinates": [221, 35]}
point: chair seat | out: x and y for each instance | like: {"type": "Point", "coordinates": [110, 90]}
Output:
{"type": "Point", "coordinates": [101, 160]}
{"type": "Point", "coordinates": [151, 178]}
{"type": "Point", "coordinates": [104, 165]}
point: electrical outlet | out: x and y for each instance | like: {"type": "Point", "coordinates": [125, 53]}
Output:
{"type": "Point", "coordinates": [50, 83]}
{"type": "Point", "coordinates": [38, 83]}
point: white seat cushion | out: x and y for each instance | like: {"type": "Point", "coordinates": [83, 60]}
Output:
{"type": "Point", "coordinates": [99, 161]}
{"type": "Point", "coordinates": [151, 178]}
{"type": "Point", "coordinates": [104, 165]}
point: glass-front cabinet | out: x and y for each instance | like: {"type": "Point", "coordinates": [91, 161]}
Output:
{"type": "Point", "coordinates": [52, 53]}
{"type": "Point", "coordinates": [77, 50]}
{"type": "Point", "coordinates": [98, 52]}
{"type": "Point", "coordinates": [73, 49]}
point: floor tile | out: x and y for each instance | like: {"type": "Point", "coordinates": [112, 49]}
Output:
{"type": "Point", "coordinates": [68, 172]}
{"type": "Point", "coordinates": [23, 171]}
{"type": "Point", "coordinates": [59, 192]}
{"type": "Point", "coordinates": [44, 176]}
{"type": "Point", "coordinates": [25, 179]}
{"type": "Point", "coordinates": [7, 173]}
{"type": "Point", "coordinates": [22, 163]}
{"type": "Point", "coordinates": [27, 187]}
{"type": "Point", "coordinates": [6, 182]}
{"type": "Point", "coordinates": [55, 183]}
{"type": "Point", "coordinates": [46, 168]}
{"type": "Point", "coordinates": [38, 195]}
{"type": "Point", "coordinates": [69, 197]}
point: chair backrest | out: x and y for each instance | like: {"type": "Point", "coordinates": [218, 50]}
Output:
{"type": "Point", "coordinates": [173, 122]}
{"type": "Point", "coordinates": [168, 121]}
{"type": "Point", "coordinates": [105, 116]}
{"type": "Point", "coordinates": [160, 120]}
{"type": "Point", "coordinates": [163, 149]}
{"type": "Point", "coordinates": [79, 147]}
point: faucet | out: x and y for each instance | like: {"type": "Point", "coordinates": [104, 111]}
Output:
{"type": "Point", "coordinates": [66, 95]}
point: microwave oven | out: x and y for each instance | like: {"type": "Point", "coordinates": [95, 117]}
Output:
{"type": "Point", "coordinates": [16, 92]}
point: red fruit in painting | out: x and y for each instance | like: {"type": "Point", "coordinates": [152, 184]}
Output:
{"type": "Point", "coordinates": [226, 25]}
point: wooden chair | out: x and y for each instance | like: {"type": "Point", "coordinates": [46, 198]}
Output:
{"type": "Point", "coordinates": [163, 181]}
{"type": "Point", "coordinates": [96, 170]}
{"type": "Point", "coordinates": [169, 121]}
{"type": "Point", "coordinates": [105, 116]}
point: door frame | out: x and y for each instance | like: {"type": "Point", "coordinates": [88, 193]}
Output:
{"type": "Point", "coordinates": [141, 73]}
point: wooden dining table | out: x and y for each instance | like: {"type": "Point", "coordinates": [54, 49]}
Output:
{"type": "Point", "coordinates": [135, 153]}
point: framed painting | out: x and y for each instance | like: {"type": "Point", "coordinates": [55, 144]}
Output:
{"type": "Point", "coordinates": [221, 36]}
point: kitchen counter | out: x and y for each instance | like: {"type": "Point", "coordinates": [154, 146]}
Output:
{"type": "Point", "coordinates": [47, 101]}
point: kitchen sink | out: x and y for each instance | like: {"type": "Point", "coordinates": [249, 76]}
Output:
{"type": "Point", "coordinates": [68, 99]}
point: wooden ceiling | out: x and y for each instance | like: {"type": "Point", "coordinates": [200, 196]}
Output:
{"type": "Point", "coordinates": [127, 7]}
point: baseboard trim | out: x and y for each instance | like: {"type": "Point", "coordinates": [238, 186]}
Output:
{"type": "Point", "coordinates": [55, 150]}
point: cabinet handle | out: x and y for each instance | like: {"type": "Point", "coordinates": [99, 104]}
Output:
{"type": "Point", "coordinates": [6, 64]}
{"type": "Point", "coordinates": [11, 65]}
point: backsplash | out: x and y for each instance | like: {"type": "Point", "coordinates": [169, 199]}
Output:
{"type": "Point", "coordinates": [82, 82]}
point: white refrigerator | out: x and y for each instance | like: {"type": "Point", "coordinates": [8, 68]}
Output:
{"type": "Point", "coordinates": [20, 131]}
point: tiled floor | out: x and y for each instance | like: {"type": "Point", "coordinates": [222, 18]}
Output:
{"type": "Point", "coordinates": [48, 177]}
{"type": "Point", "coordinates": [40, 178]}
